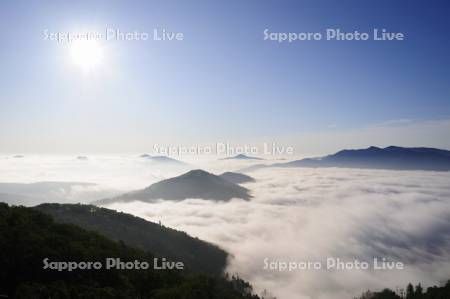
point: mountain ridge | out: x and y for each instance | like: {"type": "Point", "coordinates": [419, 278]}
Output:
{"type": "Point", "coordinates": [390, 158]}
{"type": "Point", "coordinates": [163, 160]}
{"type": "Point", "coordinates": [242, 157]}
{"type": "Point", "coordinates": [236, 177]}
{"type": "Point", "coordinates": [192, 184]}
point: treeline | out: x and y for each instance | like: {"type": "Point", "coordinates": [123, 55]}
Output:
{"type": "Point", "coordinates": [28, 236]}
{"type": "Point", "coordinates": [411, 292]}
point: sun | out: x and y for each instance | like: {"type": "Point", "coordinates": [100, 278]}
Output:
{"type": "Point", "coordinates": [86, 54]}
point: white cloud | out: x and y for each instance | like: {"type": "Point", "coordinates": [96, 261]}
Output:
{"type": "Point", "coordinates": [311, 214]}
{"type": "Point", "coordinates": [296, 214]}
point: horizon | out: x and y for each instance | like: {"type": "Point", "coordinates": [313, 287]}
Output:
{"type": "Point", "coordinates": [182, 153]}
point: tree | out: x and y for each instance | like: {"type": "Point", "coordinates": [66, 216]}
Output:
{"type": "Point", "coordinates": [409, 291]}
{"type": "Point", "coordinates": [28, 236]}
{"type": "Point", "coordinates": [386, 294]}
{"type": "Point", "coordinates": [419, 291]}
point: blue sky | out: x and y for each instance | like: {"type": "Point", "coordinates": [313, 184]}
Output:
{"type": "Point", "coordinates": [223, 81]}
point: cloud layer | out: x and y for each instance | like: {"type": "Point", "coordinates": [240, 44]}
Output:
{"type": "Point", "coordinates": [311, 214]}
{"type": "Point", "coordinates": [296, 215]}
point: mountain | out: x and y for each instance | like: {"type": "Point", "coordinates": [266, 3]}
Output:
{"type": "Point", "coordinates": [193, 184]}
{"type": "Point", "coordinates": [163, 160]}
{"type": "Point", "coordinates": [28, 237]}
{"type": "Point", "coordinates": [242, 157]}
{"type": "Point", "coordinates": [237, 178]}
{"type": "Point", "coordinates": [136, 232]}
{"type": "Point", "coordinates": [391, 157]}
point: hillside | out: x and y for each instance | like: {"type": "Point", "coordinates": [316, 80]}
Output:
{"type": "Point", "coordinates": [237, 178]}
{"type": "Point", "coordinates": [193, 184]}
{"type": "Point", "coordinates": [27, 237]}
{"type": "Point", "coordinates": [136, 232]}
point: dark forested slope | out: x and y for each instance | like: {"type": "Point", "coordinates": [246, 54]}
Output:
{"type": "Point", "coordinates": [28, 236]}
{"type": "Point", "coordinates": [196, 254]}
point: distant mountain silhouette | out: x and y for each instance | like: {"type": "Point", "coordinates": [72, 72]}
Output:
{"type": "Point", "coordinates": [193, 184]}
{"type": "Point", "coordinates": [163, 160]}
{"type": "Point", "coordinates": [391, 157]}
{"type": "Point", "coordinates": [237, 178]}
{"type": "Point", "coordinates": [139, 233]}
{"type": "Point", "coordinates": [242, 157]}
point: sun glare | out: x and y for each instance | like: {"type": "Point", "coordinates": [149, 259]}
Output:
{"type": "Point", "coordinates": [86, 54]}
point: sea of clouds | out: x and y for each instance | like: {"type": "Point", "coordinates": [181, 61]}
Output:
{"type": "Point", "coordinates": [295, 215]}
{"type": "Point", "coordinates": [314, 214]}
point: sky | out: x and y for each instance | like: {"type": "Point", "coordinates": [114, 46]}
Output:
{"type": "Point", "coordinates": [223, 81]}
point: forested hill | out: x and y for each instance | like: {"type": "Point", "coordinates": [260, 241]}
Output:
{"type": "Point", "coordinates": [196, 254]}
{"type": "Point", "coordinates": [411, 292]}
{"type": "Point", "coordinates": [27, 236]}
